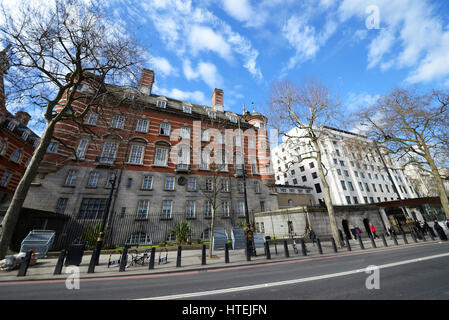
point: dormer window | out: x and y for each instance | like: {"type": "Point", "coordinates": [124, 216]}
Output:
{"type": "Point", "coordinates": [212, 114]}
{"type": "Point", "coordinates": [233, 119]}
{"type": "Point", "coordinates": [161, 103]}
{"type": "Point", "coordinates": [25, 135]}
{"type": "Point", "coordinates": [11, 125]}
{"type": "Point", "coordinates": [187, 108]}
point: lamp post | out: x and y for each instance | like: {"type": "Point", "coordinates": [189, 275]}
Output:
{"type": "Point", "coordinates": [248, 228]}
{"type": "Point", "coordinates": [96, 253]}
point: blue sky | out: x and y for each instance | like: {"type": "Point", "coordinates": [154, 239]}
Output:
{"type": "Point", "coordinates": [243, 46]}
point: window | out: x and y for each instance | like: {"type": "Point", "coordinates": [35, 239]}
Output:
{"type": "Point", "coordinates": [262, 206]}
{"type": "Point", "coordinates": [11, 125]}
{"type": "Point", "coordinates": [92, 208]}
{"type": "Point", "coordinates": [225, 208]}
{"type": "Point", "coordinates": [346, 173]}
{"type": "Point", "coordinates": [388, 189]}
{"type": "Point", "coordinates": [4, 180]}
{"type": "Point", "coordinates": [301, 169]}
{"type": "Point", "coordinates": [365, 199]}
{"type": "Point", "coordinates": [185, 132]}
{"type": "Point", "coordinates": [53, 147]}
{"type": "Point", "coordinates": [356, 174]}
{"type": "Point", "coordinates": [374, 187]}
{"type": "Point", "coordinates": [348, 199]}
{"type": "Point", "coordinates": [318, 188]}
{"type": "Point", "coordinates": [15, 157]}
{"type": "Point", "coordinates": [360, 186]}
{"type": "Point", "coordinates": [161, 104]}
{"type": "Point", "coordinates": [371, 199]}
{"type": "Point", "coordinates": [369, 176]}
{"type": "Point", "coordinates": [343, 185]}
{"type": "Point", "coordinates": [208, 212]}
{"type": "Point", "coordinates": [380, 187]}
{"type": "Point", "coordinates": [224, 185]}
{"type": "Point", "coordinates": [71, 178]}
{"type": "Point", "coordinates": [82, 147]}
{"type": "Point", "coordinates": [256, 187]}
{"type": "Point", "coordinates": [342, 163]}
{"type": "Point", "coordinates": [142, 125]}
{"type": "Point", "coordinates": [337, 152]}
{"type": "Point", "coordinates": [186, 108]}
{"type": "Point", "coordinates": [118, 122]}
{"type": "Point", "coordinates": [191, 184]}
{"type": "Point", "coordinates": [190, 209]}
{"type": "Point", "coordinates": [61, 205]}
{"type": "Point", "coordinates": [164, 129]}
{"type": "Point", "coordinates": [136, 154]}
{"type": "Point", "coordinates": [339, 172]}
{"type": "Point", "coordinates": [304, 178]}
{"type": "Point", "coordinates": [209, 186]}
{"type": "Point", "coordinates": [140, 238]}
{"type": "Point", "coordinates": [212, 114]}
{"type": "Point", "coordinates": [366, 187]}
{"type": "Point", "coordinates": [170, 183]}
{"type": "Point", "coordinates": [240, 187]}
{"type": "Point", "coordinates": [147, 183]}
{"type": "Point", "coordinates": [295, 181]}
{"type": "Point", "coordinates": [93, 179]}
{"type": "Point", "coordinates": [356, 200]}
{"type": "Point", "coordinates": [351, 186]}
{"type": "Point", "coordinates": [335, 161]}
{"type": "Point", "coordinates": [311, 165]}
{"type": "Point", "coordinates": [314, 175]}
{"type": "Point", "coordinates": [92, 119]}
{"type": "Point", "coordinates": [241, 209]}
{"type": "Point", "coordinates": [143, 209]}
{"type": "Point", "coordinates": [362, 175]}
{"type": "Point", "coordinates": [109, 150]}
{"type": "Point", "coordinates": [3, 146]}
{"type": "Point", "coordinates": [167, 208]}
{"type": "Point", "coordinates": [112, 177]}
{"type": "Point", "coordinates": [25, 135]}
{"type": "Point", "coordinates": [160, 157]}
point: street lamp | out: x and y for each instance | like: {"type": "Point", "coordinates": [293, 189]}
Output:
{"type": "Point", "coordinates": [96, 253]}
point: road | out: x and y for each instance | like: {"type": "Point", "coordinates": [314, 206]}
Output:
{"type": "Point", "coordinates": [412, 272]}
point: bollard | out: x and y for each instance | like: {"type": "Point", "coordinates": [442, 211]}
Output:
{"type": "Point", "coordinates": [275, 247]}
{"type": "Point", "coordinates": [152, 255]}
{"type": "Point", "coordinates": [203, 256]}
{"type": "Point", "coordinates": [24, 265]}
{"type": "Point", "coordinates": [303, 247]}
{"type": "Point", "coordinates": [384, 240]}
{"type": "Point", "coordinates": [60, 263]}
{"type": "Point", "coordinates": [349, 244]}
{"type": "Point", "coordinates": [405, 238]}
{"type": "Point", "coordinates": [318, 242]}
{"type": "Point", "coordinates": [267, 250]}
{"type": "Point", "coordinates": [287, 255]}
{"type": "Point", "coordinates": [372, 241]}
{"type": "Point", "coordinates": [124, 259]}
{"type": "Point", "coordinates": [395, 240]}
{"type": "Point", "coordinates": [361, 243]}
{"type": "Point", "coordinates": [178, 257]}
{"type": "Point", "coordinates": [334, 245]}
{"type": "Point", "coordinates": [226, 253]}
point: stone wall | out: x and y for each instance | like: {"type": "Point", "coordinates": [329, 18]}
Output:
{"type": "Point", "coordinates": [275, 223]}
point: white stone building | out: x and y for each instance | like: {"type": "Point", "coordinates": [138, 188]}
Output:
{"type": "Point", "coordinates": [355, 171]}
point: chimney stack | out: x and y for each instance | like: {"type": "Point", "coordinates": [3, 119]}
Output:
{"type": "Point", "coordinates": [23, 117]}
{"type": "Point", "coordinates": [146, 81]}
{"type": "Point", "coordinates": [217, 100]}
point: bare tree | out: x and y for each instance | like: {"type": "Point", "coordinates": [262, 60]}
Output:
{"type": "Point", "coordinates": [56, 48]}
{"type": "Point", "coordinates": [301, 114]}
{"type": "Point", "coordinates": [412, 125]}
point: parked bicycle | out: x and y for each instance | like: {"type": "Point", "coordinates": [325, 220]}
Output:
{"type": "Point", "coordinates": [136, 259]}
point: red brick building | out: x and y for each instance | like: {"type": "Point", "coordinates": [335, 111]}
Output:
{"type": "Point", "coordinates": [17, 144]}
{"type": "Point", "coordinates": [163, 152]}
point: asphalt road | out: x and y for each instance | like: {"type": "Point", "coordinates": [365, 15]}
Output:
{"type": "Point", "coordinates": [401, 276]}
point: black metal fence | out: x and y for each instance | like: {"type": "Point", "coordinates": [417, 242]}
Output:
{"type": "Point", "coordinates": [133, 229]}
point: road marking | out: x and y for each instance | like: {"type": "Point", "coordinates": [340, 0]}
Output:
{"type": "Point", "coordinates": [289, 282]}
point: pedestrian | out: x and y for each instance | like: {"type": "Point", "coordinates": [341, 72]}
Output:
{"type": "Point", "coordinates": [391, 231]}
{"type": "Point", "coordinates": [353, 232]}
{"type": "Point", "coordinates": [439, 230]}
{"type": "Point", "coordinates": [341, 237]}
{"type": "Point", "coordinates": [358, 232]}
{"type": "Point", "coordinates": [373, 230]}
{"type": "Point", "coordinates": [447, 223]}
{"type": "Point", "coordinates": [312, 235]}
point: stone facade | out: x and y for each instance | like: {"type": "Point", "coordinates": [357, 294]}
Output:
{"type": "Point", "coordinates": [275, 223]}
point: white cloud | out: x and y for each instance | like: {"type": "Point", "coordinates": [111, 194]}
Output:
{"type": "Point", "coordinates": [205, 71]}
{"type": "Point", "coordinates": [162, 66]}
{"type": "Point", "coordinates": [204, 38]}
{"type": "Point", "coordinates": [355, 101]}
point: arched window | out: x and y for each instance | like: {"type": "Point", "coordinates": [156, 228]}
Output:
{"type": "Point", "coordinates": [3, 146]}
{"type": "Point", "coordinates": [161, 152]}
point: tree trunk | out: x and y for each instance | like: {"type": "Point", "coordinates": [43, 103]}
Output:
{"type": "Point", "coordinates": [211, 231]}
{"type": "Point", "coordinates": [12, 215]}
{"type": "Point", "coordinates": [327, 196]}
{"type": "Point", "coordinates": [441, 190]}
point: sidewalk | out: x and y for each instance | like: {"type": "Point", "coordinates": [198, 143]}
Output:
{"type": "Point", "coordinates": [191, 260]}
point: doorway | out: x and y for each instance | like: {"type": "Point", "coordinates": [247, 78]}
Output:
{"type": "Point", "coordinates": [345, 225]}
{"type": "Point", "coordinates": [366, 224]}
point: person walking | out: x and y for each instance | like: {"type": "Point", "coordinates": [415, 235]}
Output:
{"type": "Point", "coordinates": [391, 231]}
{"type": "Point", "coordinates": [373, 230]}
{"type": "Point", "coordinates": [353, 232]}
{"type": "Point", "coordinates": [312, 235]}
{"type": "Point", "coordinates": [342, 241]}
{"type": "Point", "coordinates": [439, 230]}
